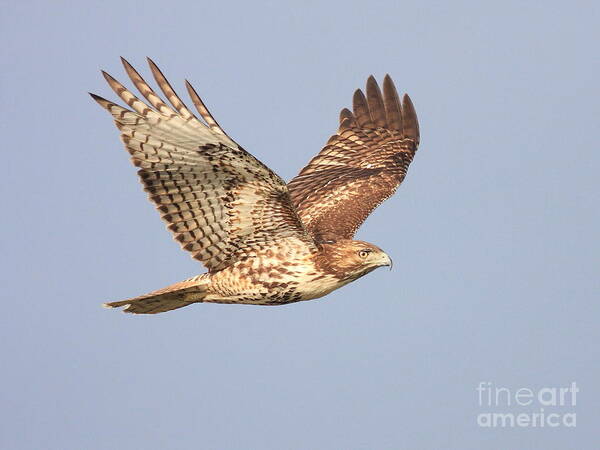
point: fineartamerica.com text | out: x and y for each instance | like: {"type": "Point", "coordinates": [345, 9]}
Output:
{"type": "Point", "coordinates": [526, 407]}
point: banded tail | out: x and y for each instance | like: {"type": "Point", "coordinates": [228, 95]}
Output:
{"type": "Point", "coordinates": [171, 297]}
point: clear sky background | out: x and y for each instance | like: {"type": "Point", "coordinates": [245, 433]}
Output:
{"type": "Point", "coordinates": [494, 233]}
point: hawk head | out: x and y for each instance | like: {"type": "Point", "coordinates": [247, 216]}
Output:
{"type": "Point", "coordinates": [350, 260]}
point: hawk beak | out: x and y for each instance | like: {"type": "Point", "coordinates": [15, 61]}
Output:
{"type": "Point", "coordinates": [386, 260]}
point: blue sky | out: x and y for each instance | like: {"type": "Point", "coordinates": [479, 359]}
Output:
{"type": "Point", "coordinates": [494, 233]}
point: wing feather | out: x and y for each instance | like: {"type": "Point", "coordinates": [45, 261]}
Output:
{"type": "Point", "coordinates": [146, 90]}
{"type": "Point", "coordinates": [203, 110]}
{"type": "Point", "coordinates": [171, 95]}
{"type": "Point", "coordinates": [347, 120]}
{"type": "Point", "coordinates": [361, 110]}
{"type": "Point", "coordinates": [392, 104]}
{"type": "Point", "coordinates": [410, 123]}
{"type": "Point", "coordinates": [220, 202]}
{"type": "Point", "coordinates": [360, 166]}
{"type": "Point", "coordinates": [376, 106]}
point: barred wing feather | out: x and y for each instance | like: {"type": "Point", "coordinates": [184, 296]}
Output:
{"type": "Point", "coordinates": [220, 202]}
{"type": "Point", "coordinates": [360, 166]}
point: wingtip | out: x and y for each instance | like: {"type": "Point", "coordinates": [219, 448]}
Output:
{"type": "Point", "coordinates": [408, 105]}
{"type": "Point", "coordinates": [100, 100]}
{"type": "Point", "coordinates": [108, 77]}
{"type": "Point", "coordinates": [358, 95]}
{"type": "Point", "coordinates": [345, 113]}
{"type": "Point", "coordinates": [387, 81]}
{"type": "Point", "coordinates": [157, 73]}
{"type": "Point", "coordinates": [346, 119]}
{"type": "Point", "coordinates": [151, 63]}
{"type": "Point", "coordinates": [411, 122]}
{"type": "Point", "coordinates": [372, 84]}
{"type": "Point", "coordinates": [126, 64]}
{"type": "Point", "coordinates": [373, 87]}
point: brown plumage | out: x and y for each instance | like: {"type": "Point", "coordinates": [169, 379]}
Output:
{"type": "Point", "coordinates": [263, 241]}
{"type": "Point", "coordinates": [361, 166]}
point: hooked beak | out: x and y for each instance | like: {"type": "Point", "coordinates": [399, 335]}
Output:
{"type": "Point", "coordinates": [386, 261]}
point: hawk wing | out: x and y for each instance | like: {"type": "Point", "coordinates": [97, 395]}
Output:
{"type": "Point", "coordinates": [360, 166]}
{"type": "Point", "coordinates": [220, 202]}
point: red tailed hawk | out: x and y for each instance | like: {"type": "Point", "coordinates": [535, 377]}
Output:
{"type": "Point", "coordinates": [264, 241]}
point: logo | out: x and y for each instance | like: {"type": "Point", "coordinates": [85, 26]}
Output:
{"type": "Point", "coordinates": [526, 407]}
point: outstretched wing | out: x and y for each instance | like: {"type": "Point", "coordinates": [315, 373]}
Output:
{"type": "Point", "coordinates": [220, 202]}
{"type": "Point", "coordinates": [360, 166]}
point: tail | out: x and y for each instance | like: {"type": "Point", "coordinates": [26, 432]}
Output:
{"type": "Point", "coordinates": [171, 297]}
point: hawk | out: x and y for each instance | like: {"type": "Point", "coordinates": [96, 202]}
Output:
{"type": "Point", "coordinates": [263, 241]}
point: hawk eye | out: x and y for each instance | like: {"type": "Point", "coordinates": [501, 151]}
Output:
{"type": "Point", "coordinates": [364, 253]}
